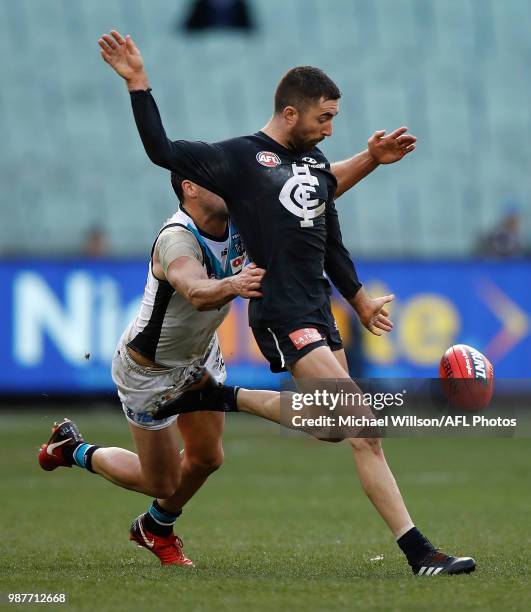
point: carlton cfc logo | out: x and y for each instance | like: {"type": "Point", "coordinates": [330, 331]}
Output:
{"type": "Point", "coordinates": [268, 159]}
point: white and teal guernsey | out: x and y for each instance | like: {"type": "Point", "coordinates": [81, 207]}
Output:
{"type": "Point", "coordinates": [168, 329]}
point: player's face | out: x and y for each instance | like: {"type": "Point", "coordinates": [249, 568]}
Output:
{"type": "Point", "coordinates": [314, 124]}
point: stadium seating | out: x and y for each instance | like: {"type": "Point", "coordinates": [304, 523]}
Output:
{"type": "Point", "coordinates": [455, 72]}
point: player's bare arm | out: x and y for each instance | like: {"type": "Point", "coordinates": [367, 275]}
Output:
{"type": "Point", "coordinates": [188, 277]}
{"type": "Point", "coordinates": [381, 149]}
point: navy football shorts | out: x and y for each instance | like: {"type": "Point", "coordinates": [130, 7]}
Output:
{"type": "Point", "coordinates": [285, 344]}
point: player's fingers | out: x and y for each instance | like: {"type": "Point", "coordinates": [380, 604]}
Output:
{"type": "Point", "coordinates": [406, 139]}
{"type": "Point", "coordinates": [386, 321]}
{"type": "Point", "coordinates": [378, 134]}
{"type": "Point", "coordinates": [106, 56]}
{"type": "Point", "coordinates": [103, 44]}
{"type": "Point", "coordinates": [374, 331]}
{"type": "Point", "coordinates": [398, 132]}
{"type": "Point", "coordinates": [385, 299]}
{"type": "Point", "coordinates": [131, 44]}
{"type": "Point", "coordinates": [253, 294]}
{"type": "Point", "coordinates": [410, 148]}
{"type": "Point", "coordinates": [118, 37]}
{"type": "Point", "coordinates": [384, 312]}
{"type": "Point", "coordinates": [381, 325]}
{"type": "Point", "coordinates": [255, 275]}
{"type": "Point", "coordinates": [110, 41]}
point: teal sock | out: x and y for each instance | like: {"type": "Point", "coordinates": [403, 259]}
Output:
{"type": "Point", "coordinates": [82, 455]}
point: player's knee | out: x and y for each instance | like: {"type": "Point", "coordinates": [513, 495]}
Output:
{"type": "Point", "coordinates": [364, 445]}
{"type": "Point", "coordinates": [207, 462]}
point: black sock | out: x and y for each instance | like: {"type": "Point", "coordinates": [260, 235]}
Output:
{"type": "Point", "coordinates": [221, 397]}
{"type": "Point", "coordinates": [88, 457]}
{"type": "Point", "coordinates": [212, 396]}
{"type": "Point", "coordinates": [415, 546]}
{"type": "Point", "coordinates": [159, 521]}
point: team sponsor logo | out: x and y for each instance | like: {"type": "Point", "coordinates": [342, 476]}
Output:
{"type": "Point", "coordinates": [305, 336]}
{"type": "Point", "coordinates": [313, 162]}
{"type": "Point", "coordinates": [268, 159]}
{"type": "Point", "coordinates": [236, 264]}
{"type": "Point", "coordinates": [296, 194]}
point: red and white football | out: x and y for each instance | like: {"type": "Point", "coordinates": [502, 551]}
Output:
{"type": "Point", "coordinates": [468, 377]}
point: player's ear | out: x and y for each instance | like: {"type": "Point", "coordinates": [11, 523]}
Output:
{"type": "Point", "coordinates": [190, 189]}
{"type": "Point", "coordinates": [291, 115]}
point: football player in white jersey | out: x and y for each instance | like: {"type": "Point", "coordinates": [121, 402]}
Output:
{"type": "Point", "coordinates": [196, 268]}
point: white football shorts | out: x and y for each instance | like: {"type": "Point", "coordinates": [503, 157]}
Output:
{"type": "Point", "coordinates": [141, 388]}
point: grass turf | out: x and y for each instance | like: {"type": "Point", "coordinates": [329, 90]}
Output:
{"type": "Point", "coordinates": [282, 526]}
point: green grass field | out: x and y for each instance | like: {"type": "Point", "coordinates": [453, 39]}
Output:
{"type": "Point", "coordinates": [282, 526]}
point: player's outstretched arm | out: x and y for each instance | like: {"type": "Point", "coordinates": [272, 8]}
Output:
{"type": "Point", "coordinates": [381, 149]}
{"type": "Point", "coordinates": [205, 164]}
{"type": "Point", "coordinates": [188, 277]}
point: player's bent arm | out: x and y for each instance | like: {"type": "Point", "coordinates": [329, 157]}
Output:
{"type": "Point", "coordinates": [352, 171]}
{"type": "Point", "coordinates": [338, 264]}
{"type": "Point", "coordinates": [381, 149]}
{"type": "Point", "coordinates": [188, 277]}
{"type": "Point", "coordinates": [372, 312]}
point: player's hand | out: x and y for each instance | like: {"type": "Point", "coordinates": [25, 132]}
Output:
{"type": "Point", "coordinates": [389, 149]}
{"type": "Point", "coordinates": [247, 283]}
{"type": "Point", "coordinates": [124, 57]}
{"type": "Point", "coordinates": [372, 312]}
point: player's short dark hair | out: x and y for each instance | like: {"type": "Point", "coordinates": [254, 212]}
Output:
{"type": "Point", "coordinates": [177, 184]}
{"type": "Point", "coordinates": [303, 85]}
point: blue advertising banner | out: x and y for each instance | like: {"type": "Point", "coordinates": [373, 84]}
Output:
{"type": "Point", "coordinates": [61, 321]}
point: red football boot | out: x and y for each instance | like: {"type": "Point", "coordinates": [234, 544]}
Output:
{"type": "Point", "coordinates": [51, 454]}
{"type": "Point", "coordinates": [169, 549]}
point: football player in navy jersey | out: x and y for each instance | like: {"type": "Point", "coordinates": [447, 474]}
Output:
{"type": "Point", "coordinates": [279, 189]}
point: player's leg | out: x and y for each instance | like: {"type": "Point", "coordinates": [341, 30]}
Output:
{"type": "Point", "coordinates": [202, 455]}
{"type": "Point", "coordinates": [379, 483]}
{"type": "Point", "coordinates": [341, 358]}
{"type": "Point", "coordinates": [141, 471]}
{"type": "Point", "coordinates": [374, 473]}
{"type": "Point", "coordinates": [375, 476]}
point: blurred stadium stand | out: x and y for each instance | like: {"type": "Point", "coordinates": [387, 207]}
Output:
{"type": "Point", "coordinates": [455, 72]}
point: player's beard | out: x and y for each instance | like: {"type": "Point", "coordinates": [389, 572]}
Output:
{"type": "Point", "coordinates": [301, 142]}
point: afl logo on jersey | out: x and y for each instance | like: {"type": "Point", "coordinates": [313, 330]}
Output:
{"type": "Point", "coordinates": [268, 159]}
